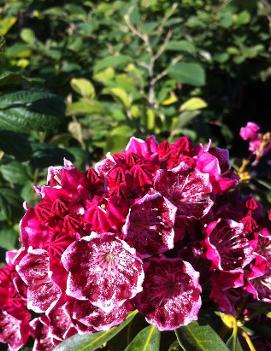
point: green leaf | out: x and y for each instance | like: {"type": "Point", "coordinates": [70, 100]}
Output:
{"type": "Point", "coordinates": [83, 87]}
{"type": "Point", "coordinates": [120, 94]}
{"type": "Point", "coordinates": [85, 106]}
{"type": "Point", "coordinates": [112, 61]}
{"type": "Point", "coordinates": [2, 44]}
{"type": "Point", "coordinates": [15, 144]}
{"type": "Point", "coordinates": [148, 339]}
{"type": "Point", "coordinates": [30, 110]}
{"type": "Point", "coordinates": [105, 76]}
{"type": "Point", "coordinates": [11, 78]}
{"type": "Point", "coordinates": [175, 346]}
{"type": "Point", "coordinates": [233, 343]}
{"type": "Point", "coordinates": [182, 45]}
{"type": "Point", "coordinates": [8, 238]}
{"type": "Point", "coordinates": [45, 155]}
{"type": "Point", "coordinates": [14, 172]}
{"type": "Point", "coordinates": [28, 36]}
{"type": "Point", "coordinates": [193, 104]}
{"type": "Point", "coordinates": [6, 23]}
{"type": "Point", "coordinates": [186, 117]}
{"type": "Point", "coordinates": [195, 337]}
{"type": "Point", "coordinates": [189, 73]}
{"type": "Point", "coordinates": [92, 342]}
{"type": "Point", "coordinates": [118, 138]}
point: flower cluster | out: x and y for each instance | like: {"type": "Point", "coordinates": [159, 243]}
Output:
{"type": "Point", "coordinates": [143, 229]}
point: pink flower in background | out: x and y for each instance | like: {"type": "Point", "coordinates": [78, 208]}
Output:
{"type": "Point", "coordinates": [259, 144]}
{"type": "Point", "coordinates": [249, 131]}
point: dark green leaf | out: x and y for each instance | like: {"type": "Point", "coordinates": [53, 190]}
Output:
{"type": "Point", "coordinates": [196, 337]}
{"type": "Point", "coordinates": [92, 342]}
{"type": "Point", "coordinates": [15, 144]}
{"type": "Point", "coordinates": [14, 172]}
{"type": "Point", "coordinates": [30, 110]}
{"type": "Point", "coordinates": [11, 78]}
{"type": "Point", "coordinates": [189, 73]}
{"type": "Point", "coordinates": [47, 155]}
{"type": "Point", "coordinates": [8, 238]}
{"type": "Point", "coordinates": [233, 343]}
{"type": "Point", "coordinates": [148, 339]}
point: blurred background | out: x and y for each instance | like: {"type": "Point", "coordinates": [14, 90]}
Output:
{"type": "Point", "coordinates": [79, 78]}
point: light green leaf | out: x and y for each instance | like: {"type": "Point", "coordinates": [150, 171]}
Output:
{"type": "Point", "coordinates": [28, 36]}
{"type": "Point", "coordinates": [92, 342]}
{"type": "Point", "coordinates": [112, 61]}
{"type": "Point", "coordinates": [105, 76]}
{"type": "Point", "coordinates": [196, 337]}
{"type": "Point", "coordinates": [182, 45]}
{"type": "Point", "coordinates": [120, 94]}
{"type": "Point", "coordinates": [83, 87]}
{"type": "Point", "coordinates": [85, 106]}
{"type": "Point", "coordinates": [193, 104]}
{"type": "Point", "coordinates": [6, 23]}
{"type": "Point", "coordinates": [148, 339]}
{"type": "Point", "coordinates": [189, 73]}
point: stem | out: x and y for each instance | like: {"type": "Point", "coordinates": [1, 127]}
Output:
{"type": "Point", "coordinates": [248, 340]}
{"type": "Point", "coordinates": [179, 340]}
{"type": "Point", "coordinates": [263, 183]}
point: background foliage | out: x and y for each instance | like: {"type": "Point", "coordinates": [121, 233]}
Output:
{"type": "Point", "coordinates": [78, 78]}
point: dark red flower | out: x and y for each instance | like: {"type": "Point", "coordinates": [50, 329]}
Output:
{"type": "Point", "coordinates": [103, 270]}
{"type": "Point", "coordinates": [188, 191]}
{"type": "Point", "coordinates": [227, 246]}
{"type": "Point", "coordinates": [88, 318]}
{"type": "Point", "coordinates": [149, 225]}
{"type": "Point", "coordinates": [171, 293]}
{"type": "Point", "coordinates": [34, 269]}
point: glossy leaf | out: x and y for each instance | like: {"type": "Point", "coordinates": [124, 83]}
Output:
{"type": "Point", "coordinates": [148, 339]}
{"type": "Point", "coordinates": [187, 73]}
{"type": "Point", "coordinates": [196, 337]}
{"type": "Point", "coordinates": [30, 110]}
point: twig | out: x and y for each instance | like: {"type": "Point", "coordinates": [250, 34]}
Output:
{"type": "Point", "coordinates": [154, 56]}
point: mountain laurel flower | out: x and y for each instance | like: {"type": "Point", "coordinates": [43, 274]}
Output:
{"type": "Point", "coordinates": [146, 228]}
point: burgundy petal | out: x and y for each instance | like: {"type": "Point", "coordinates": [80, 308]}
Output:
{"type": "Point", "coordinates": [149, 225]}
{"type": "Point", "coordinates": [188, 191]}
{"type": "Point", "coordinates": [171, 293]}
{"type": "Point", "coordinates": [104, 270]}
